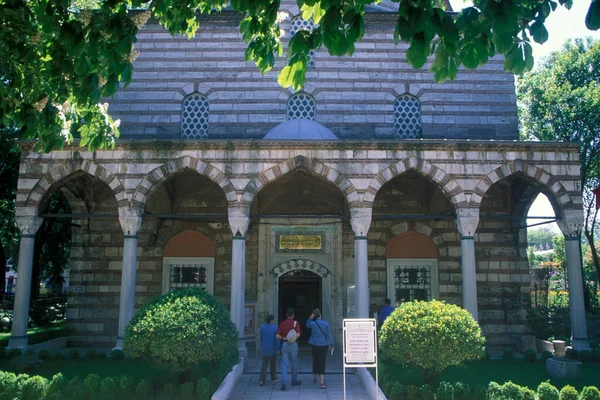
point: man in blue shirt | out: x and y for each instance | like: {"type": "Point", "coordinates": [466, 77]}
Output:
{"type": "Point", "coordinates": [386, 310]}
{"type": "Point", "coordinates": [268, 349]}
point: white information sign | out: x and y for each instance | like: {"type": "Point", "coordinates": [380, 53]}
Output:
{"type": "Point", "coordinates": [360, 341]}
{"type": "Point", "coordinates": [360, 346]}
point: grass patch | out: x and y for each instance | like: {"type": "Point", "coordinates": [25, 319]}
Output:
{"type": "Point", "coordinates": [479, 373]}
{"type": "Point", "coordinates": [40, 334]}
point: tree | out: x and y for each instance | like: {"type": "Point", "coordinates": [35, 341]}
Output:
{"type": "Point", "coordinates": [58, 60]}
{"type": "Point", "coordinates": [560, 101]}
{"type": "Point", "coordinates": [430, 336]}
{"type": "Point", "coordinates": [540, 239]}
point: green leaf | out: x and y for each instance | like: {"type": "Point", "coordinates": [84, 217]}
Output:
{"type": "Point", "coordinates": [592, 19]}
{"type": "Point", "coordinates": [539, 32]}
{"type": "Point", "coordinates": [286, 76]}
{"type": "Point", "coordinates": [469, 56]}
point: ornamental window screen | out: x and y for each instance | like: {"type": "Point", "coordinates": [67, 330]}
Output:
{"type": "Point", "coordinates": [412, 279]}
{"type": "Point", "coordinates": [407, 117]}
{"type": "Point", "coordinates": [301, 105]}
{"type": "Point", "coordinates": [194, 117]}
{"type": "Point", "coordinates": [188, 272]}
{"type": "Point", "coordinates": [299, 24]}
{"type": "Point", "coordinates": [412, 283]}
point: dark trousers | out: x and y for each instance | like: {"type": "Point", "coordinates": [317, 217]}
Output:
{"type": "Point", "coordinates": [263, 368]}
{"type": "Point", "coordinates": [319, 355]}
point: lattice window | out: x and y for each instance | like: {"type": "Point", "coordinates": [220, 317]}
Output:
{"type": "Point", "coordinates": [298, 24]}
{"type": "Point", "coordinates": [188, 272]}
{"type": "Point", "coordinates": [301, 105]}
{"type": "Point", "coordinates": [407, 117]}
{"type": "Point", "coordinates": [194, 117]}
{"type": "Point", "coordinates": [412, 279]}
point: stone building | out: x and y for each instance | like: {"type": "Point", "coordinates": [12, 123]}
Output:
{"type": "Point", "coordinates": [371, 182]}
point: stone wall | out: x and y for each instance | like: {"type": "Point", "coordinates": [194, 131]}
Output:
{"type": "Point", "coordinates": [354, 95]}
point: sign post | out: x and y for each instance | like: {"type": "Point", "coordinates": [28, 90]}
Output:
{"type": "Point", "coordinates": [360, 346]}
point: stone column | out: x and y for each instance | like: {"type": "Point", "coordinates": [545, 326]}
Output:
{"type": "Point", "coordinates": [572, 232]}
{"type": "Point", "coordinates": [131, 222]}
{"type": "Point", "coordinates": [28, 225]}
{"type": "Point", "coordinates": [361, 221]}
{"type": "Point", "coordinates": [238, 221]}
{"type": "Point", "coordinates": [467, 221]}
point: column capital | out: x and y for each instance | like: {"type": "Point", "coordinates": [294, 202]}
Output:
{"type": "Point", "coordinates": [571, 228]}
{"type": "Point", "coordinates": [467, 220]}
{"type": "Point", "coordinates": [28, 224]}
{"type": "Point", "coordinates": [131, 220]}
{"type": "Point", "coordinates": [360, 219]}
{"type": "Point", "coordinates": [239, 220]}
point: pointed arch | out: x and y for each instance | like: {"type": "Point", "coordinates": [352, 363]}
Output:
{"type": "Point", "coordinates": [448, 185]}
{"type": "Point", "coordinates": [302, 264]}
{"type": "Point", "coordinates": [553, 185]}
{"type": "Point", "coordinates": [160, 174]}
{"type": "Point", "coordinates": [72, 169]}
{"type": "Point", "coordinates": [301, 163]}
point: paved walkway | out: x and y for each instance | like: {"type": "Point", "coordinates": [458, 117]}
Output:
{"type": "Point", "coordinates": [247, 387]}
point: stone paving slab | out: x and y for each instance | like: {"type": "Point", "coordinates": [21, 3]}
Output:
{"type": "Point", "coordinates": [247, 388]}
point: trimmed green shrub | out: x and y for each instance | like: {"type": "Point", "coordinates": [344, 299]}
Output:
{"type": "Point", "coordinates": [530, 356]}
{"type": "Point", "coordinates": [91, 385]}
{"type": "Point", "coordinates": [572, 354]}
{"type": "Point", "coordinates": [109, 388]}
{"type": "Point", "coordinates": [528, 394]}
{"type": "Point", "coordinates": [445, 391]}
{"type": "Point", "coordinates": [462, 391]}
{"type": "Point", "coordinates": [56, 387]}
{"type": "Point", "coordinates": [546, 391]}
{"type": "Point", "coordinates": [169, 392]}
{"type": "Point", "coordinates": [117, 354]}
{"type": "Point", "coordinates": [511, 391]}
{"type": "Point", "coordinates": [59, 356]}
{"type": "Point", "coordinates": [74, 354]}
{"type": "Point", "coordinates": [494, 391]}
{"type": "Point", "coordinates": [180, 329]}
{"type": "Point", "coordinates": [30, 353]}
{"type": "Point", "coordinates": [508, 355]}
{"type": "Point", "coordinates": [127, 385]}
{"type": "Point", "coordinates": [44, 354]}
{"type": "Point", "coordinates": [595, 355]}
{"type": "Point", "coordinates": [585, 355]}
{"type": "Point", "coordinates": [143, 390]}
{"type": "Point", "coordinates": [91, 354]}
{"type": "Point", "coordinates": [203, 389]}
{"type": "Point", "coordinates": [2, 351]}
{"type": "Point", "coordinates": [590, 393]}
{"type": "Point", "coordinates": [431, 336]}
{"type": "Point", "coordinates": [478, 393]}
{"type": "Point", "coordinates": [33, 388]}
{"type": "Point", "coordinates": [546, 355]}
{"type": "Point", "coordinates": [73, 389]}
{"type": "Point", "coordinates": [569, 393]}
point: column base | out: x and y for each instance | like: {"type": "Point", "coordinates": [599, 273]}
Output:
{"type": "Point", "coordinates": [580, 344]}
{"type": "Point", "coordinates": [21, 342]}
{"type": "Point", "coordinates": [119, 345]}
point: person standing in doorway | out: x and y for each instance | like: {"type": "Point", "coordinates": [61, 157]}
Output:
{"type": "Point", "coordinates": [321, 341]}
{"type": "Point", "coordinates": [386, 310]}
{"type": "Point", "coordinates": [268, 349]}
{"type": "Point", "coordinates": [289, 349]}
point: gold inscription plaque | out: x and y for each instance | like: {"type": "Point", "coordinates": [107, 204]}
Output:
{"type": "Point", "coordinates": [300, 242]}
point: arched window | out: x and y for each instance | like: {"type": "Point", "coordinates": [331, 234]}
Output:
{"type": "Point", "coordinates": [194, 117]}
{"type": "Point", "coordinates": [301, 105]}
{"type": "Point", "coordinates": [412, 268]}
{"type": "Point", "coordinates": [407, 117]}
{"type": "Point", "coordinates": [299, 24]}
{"type": "Point", "coordinates": [188, 261]}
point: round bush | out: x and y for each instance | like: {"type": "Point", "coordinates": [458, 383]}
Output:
{"type": "Point", "coordinates": [34, 388]}
{"type": "Point", "coordinates": [590, 393]}
{"type": "Point", "coordinates": [546, 355]}
{"type": "Point", "coordinates": [530, 356]}
{"type": "Point", "coordinates": [511, 391]}
{"type": "Point", "coordinates": [569, 393]}
{"type": "Point", "coordinates": [547, 392]}
{"type": "Point", "coordinates": [431, 336]}
{"type": "Point", "coordinates": [508, 355]}
{"type": "Point", "coordinates": [180, 329]}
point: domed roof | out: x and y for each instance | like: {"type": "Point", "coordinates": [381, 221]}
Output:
{"type": "Point", "coordinates": [300, 129]}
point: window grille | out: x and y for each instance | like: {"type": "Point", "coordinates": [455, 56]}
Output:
{"type": "Point", "coordinates": [187, 275]}
{"type": "Point", "coordinates": [301, 105]}
{"type": "Point", "coordinates": [194, 117]}
{"type": "Point", "coordinates": [299, 24]}
{"type": "Point", "coordinates": [407, 117]}
{"type": "Point", "coordinates": [412, 283]}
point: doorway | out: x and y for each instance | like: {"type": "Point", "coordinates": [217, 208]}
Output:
{"type": "Point", "coordinates": [301, 290]}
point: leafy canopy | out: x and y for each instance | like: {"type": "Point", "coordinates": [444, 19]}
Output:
{"type": "Point", "coordinates": [58, 59]}
{"type": "Point", "coordinates": [430, 336]}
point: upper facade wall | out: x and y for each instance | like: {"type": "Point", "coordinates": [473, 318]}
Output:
{"type": "Point", "coordinates": [354, 96]}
